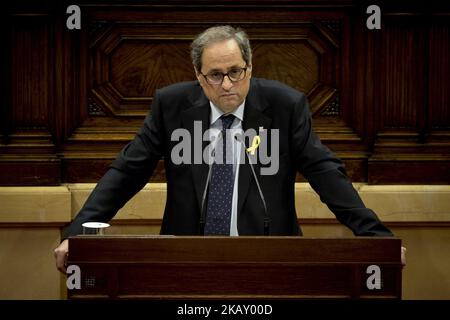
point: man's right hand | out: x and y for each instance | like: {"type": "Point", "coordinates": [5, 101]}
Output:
{"type": "Point", "coordinates": [60, 254]}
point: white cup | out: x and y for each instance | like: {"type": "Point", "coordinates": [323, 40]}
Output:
{"type": "Point", "coordinates": [94, 227]}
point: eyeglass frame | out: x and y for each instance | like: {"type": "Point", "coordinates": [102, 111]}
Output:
{"type": "Point", "coordinates": [244, 69]}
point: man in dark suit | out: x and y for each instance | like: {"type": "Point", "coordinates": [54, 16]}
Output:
{"type": "Point", "coordinates": [226, 197]}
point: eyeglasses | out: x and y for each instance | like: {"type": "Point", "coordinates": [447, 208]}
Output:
{"type": "Point", "coordinates": [216, 77]}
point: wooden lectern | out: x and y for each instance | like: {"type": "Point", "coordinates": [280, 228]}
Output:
{"type": "Point", "coordinates": [176, 267]}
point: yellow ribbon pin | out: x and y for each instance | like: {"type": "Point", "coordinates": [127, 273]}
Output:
{"type": "Point", "coordinates": [255, 144]}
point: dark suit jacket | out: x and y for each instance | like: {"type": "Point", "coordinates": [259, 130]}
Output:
{"type": "Point", "coordinates": [269, 104]}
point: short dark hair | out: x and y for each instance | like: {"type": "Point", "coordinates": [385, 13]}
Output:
{"type": "Point", "coordinates": [217, 34]}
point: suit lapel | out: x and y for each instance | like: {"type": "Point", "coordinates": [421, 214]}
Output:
{"type": "Point", "coordinates": [254, 118]}
{"type": "Point", "coordinates": [200, 111]}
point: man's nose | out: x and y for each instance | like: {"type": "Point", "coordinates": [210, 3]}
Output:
{"type": "Point", "coordinates": [227, 84]}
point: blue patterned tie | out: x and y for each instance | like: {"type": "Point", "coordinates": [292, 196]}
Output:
{"type": "Point", "coordinates": [220, 196]}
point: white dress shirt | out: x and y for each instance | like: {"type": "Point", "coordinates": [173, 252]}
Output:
{"type": "Point", "coordinates": [215, 128]}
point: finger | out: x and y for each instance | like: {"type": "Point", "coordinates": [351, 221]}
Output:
{"type": "Point", "coordinates": [63, 270]}
{"type": "Point", "coordinates": [61, 267]}
{"type": "Point", "coordinates": [61, 262]}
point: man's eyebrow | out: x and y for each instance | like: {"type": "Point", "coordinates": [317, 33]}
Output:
{"type": "Point", "coordinates": [220, 70]}
{"type": "Point", "coordinates": [214, 70]}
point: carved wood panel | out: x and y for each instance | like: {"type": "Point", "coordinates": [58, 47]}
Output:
{"type": "Point", "coordinates": [407, 148]}
{"type": "Point", "coordinates": [439, 69]}
{"type": "Point", "coordinates": [303, 56]}
{"type": "Point", "coordinates": [402, 76]}
{"type": "Point", "coordinates": [379, 98]}
{"type": "Point", "coordinates": [130, 61]}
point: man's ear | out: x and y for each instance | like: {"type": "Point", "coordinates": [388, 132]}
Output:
{"type": "Point", "coordinates": [249, 69]}
{"type": "Point", "coordinates": [197, 74]}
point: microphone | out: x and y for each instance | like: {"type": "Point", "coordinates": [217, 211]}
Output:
{"type": "Point", "coordinates": [266, 215]}
{"type": "Point", "coordinates": [205, 191]}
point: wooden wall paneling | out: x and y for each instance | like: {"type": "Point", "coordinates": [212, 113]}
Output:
{"type": "Point", "coordinates": [403, 72]}
{"type": "Point", "coordinates": [27, 153]}
{"type": "Point", "coordinates": [131, 50]}
{"type": "Point", "coordinates": [130, 61]}
{"type": "Point", "coordinates": [337, 122]}
{"type": "Point", "coordinates": [406, 150]}
{"type": "Point", "coordinates": [70, 70]}
{"type": "Point", "coordinates": [127, 63]}
{"type": "Point", "coordinates": [347, 70]}
{"type": "Point", "coordinates": [360, 111]}
{"type": "Point", "coordinates": [378, 97]}
{"type": "Point", "coordinates": [5, 107]}
{"type": "Point", "coordinates": [439, 71]}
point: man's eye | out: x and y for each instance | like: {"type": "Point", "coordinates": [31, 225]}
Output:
{"type": "Point", "coordinates": [235, 72]}
{"type": "Point", "coordinates": [215, 75]}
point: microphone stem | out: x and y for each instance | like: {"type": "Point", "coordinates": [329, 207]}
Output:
{"type": "Point", "coordinates": [202, 221]}
{"type": "Point", "coordinates": [266, 215]}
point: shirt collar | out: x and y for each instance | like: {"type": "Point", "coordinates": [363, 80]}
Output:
{"type": "Point", "coordinates": [216, 113]}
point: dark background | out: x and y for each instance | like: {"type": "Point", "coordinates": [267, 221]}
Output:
{"type": "Point", "coordinates": [73, 98]}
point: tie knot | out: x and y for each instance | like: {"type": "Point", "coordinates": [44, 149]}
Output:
{"type": "Point", "coordinates": [227, 120]}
